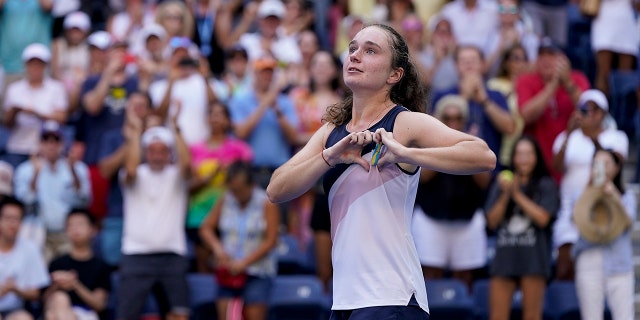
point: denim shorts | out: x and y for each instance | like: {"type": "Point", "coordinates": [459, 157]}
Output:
{"type": "Point", "coordinates": [412, 311]}
{"type": "Point", "coordinates": [256, 291]}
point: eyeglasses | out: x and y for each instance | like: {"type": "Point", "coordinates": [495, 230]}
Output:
{"type": "Point", "coordinates": [508, 9]}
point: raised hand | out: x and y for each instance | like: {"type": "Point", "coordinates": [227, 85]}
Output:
{"type": "Point", "coordinates": [349, 149]}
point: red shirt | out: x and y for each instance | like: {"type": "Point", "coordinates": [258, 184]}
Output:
{"type": "Point", "coordinates": [555, 116]}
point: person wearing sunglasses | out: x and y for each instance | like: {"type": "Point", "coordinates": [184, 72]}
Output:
{"type": "Point", "coordinates": [590, 128]}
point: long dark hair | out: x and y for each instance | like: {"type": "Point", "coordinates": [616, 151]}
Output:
{"type": "Point", "coordinates": [408, 92]}
{"type": "Point", "coordinates": [506, 56]}
{"type": "Point", "coordinates": [540, 170]}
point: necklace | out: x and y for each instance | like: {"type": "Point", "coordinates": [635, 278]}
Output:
{"type": "Point", "coordinates": [371, 122]}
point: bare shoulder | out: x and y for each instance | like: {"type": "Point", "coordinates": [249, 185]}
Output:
{"type": "Point", "coordinates": [417, 129]}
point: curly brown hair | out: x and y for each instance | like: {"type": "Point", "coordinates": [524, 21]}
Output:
{"type": "Point", "coordinates": [408, 92]}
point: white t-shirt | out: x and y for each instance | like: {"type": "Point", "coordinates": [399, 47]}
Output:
{"type": "Point", "coordinates": [155, 206]}
{"type": "Point", "coordinates": [579, 155]}
{"type": "Point", "coordinates": [191, 91]}
{"type": "Point", "coordinates": [472, 27]}
{"type": "Point", "coordinates": [284, 49]}
{"type": "Point", "coordinates": [25, 264]}
{"type": "Point", "coordinates": [577, 162]}
{"type": "Point", "coordinates": [45, 100]}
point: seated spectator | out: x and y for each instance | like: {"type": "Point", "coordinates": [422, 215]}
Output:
{"type": "Point", "coordinates": [70, 56]}
{"type": "Point", "coordinates": [472, 21]}
{"type": "Point", "coordinates": [547, 97]}
{"type": "Point", "coordinates": [187, 87]}
{"type": "Point", "coordinates": [489, 116]}
{"type": "Point", "coordinates": [210, 161]}
{"type": "Point", "coordinates": [604, 260]}
{"type": "Point", "coordinates": [112, 156]}
{"type": "Point", "coordinates": [514, 63]}
{"type": "Point", "coordinates": [248, 225]}
{"type": "Point", "coordinates": [52, 183]}
{"type": "Point", "coordinates": [520, 208]}
{"type": "Point", "coordinates": [23, 271]}
{"type": "Point", "coordinates": [30, 102]}
{"type": "Point", "coordinates": [80, 281]}
{"type": "Point", "coordinates": [590, 128]}
{"type": "Point", "coordinates": [510, 31]}
{"type": "Point", "coordinates": [155, 200]}
{"type": "Point", "coordinates": [448, 223]}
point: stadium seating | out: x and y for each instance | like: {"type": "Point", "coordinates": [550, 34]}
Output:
{"type": "Point", "coordinates": [291, 259]}
{"type": "Point", "coordinates": [298, 297]}
{"type": "Point", "coordinates": [449, 299]}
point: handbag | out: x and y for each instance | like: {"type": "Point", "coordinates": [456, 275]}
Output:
{"type": "Point", "coordinates": [590, 8]}
{"type": "Point", "coordinates": [226, 279]}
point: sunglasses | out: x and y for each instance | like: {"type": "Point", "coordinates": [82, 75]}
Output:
{"type": "Point", "coordinates": [51, 137]}
{"type": "Point", "coordinates": [507, 9]}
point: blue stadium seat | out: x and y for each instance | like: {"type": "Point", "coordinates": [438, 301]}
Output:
{"type": "Point", "coordinates": [150, 307]}
{"type": "Point", "coordinates": [298, 297]}
{"type": "Point", "coordinates": [623, 99]}
{"type": "Point", "coordinates": [203, 291]}
{"type": "Point", "coordinates": [562, 301]}
{"type": "Point", "coordinates": [291, 259]}
{"type": "Point", "coordinates": [449, 299]}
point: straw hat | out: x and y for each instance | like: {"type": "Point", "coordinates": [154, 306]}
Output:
{"type": "Point", "coordinates": [599, 217]}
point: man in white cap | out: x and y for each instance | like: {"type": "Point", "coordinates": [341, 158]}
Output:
{"type": "Point", "coordinates": [284, 49]}
{"type": "Point", "coordinates": [155, 199]}
{"type": "Point", "coordinates": [30, 102]}
{"type": "Point", "coordinates": [590, 128]}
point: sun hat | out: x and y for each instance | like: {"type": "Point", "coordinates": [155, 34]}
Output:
{"type": "Point", "coordinates": [599, 217]}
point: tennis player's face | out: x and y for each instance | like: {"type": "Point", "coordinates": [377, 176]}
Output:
{"type": "Point", "coordinates": [368, 65]}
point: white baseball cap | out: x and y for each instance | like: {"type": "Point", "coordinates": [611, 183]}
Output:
{"type": "Point", "coordinates": [595, 96]}
{"type": "Point", "coordinates": [158, 134]}
{"type": "Point", "coordinates": [36, 51]}
{"type": "Point", "coordinates": [77, 19]}
{"type": "Point", "coordinates": [269, 8]}
{"type": "Point", "coordinates": [100, 39]}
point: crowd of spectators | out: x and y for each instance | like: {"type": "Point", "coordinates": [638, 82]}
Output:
{"type": "Point", "coordinates": [137, 137]}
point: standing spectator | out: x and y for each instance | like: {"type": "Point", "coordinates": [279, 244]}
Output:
{"type": "Point", "coordinates": [151, 61]}
{"type": "Point", "coordinates": [30, 102]}
{"type": "Point", "coordinates": [472, 21]}
{"type": "Point", "coordinates": [53, 184]}
{"type": "Point", "coordinates": [187, 87]}
{"type": "Point", "coordinates": [266, 119]}
{"type": "Point", "coordinates": [99, 43]}
{"type": "Point", "coordinates": [23, 271]}
{"type": "Point", "coordinates": [155, 201]}
{"type": "Point", "coordinates": [489, 116]}
{"type": "Point", "coordinates": [299, 75]}
{"type": "Point", "coordinates": [236, 77]}
{"type": "Point", "coordinates": [448, 223]}
{"type": "Point", "coordinates": [438, 60]}
{"type": "Point", "coordinates": [112, 155]}
{"type": "Point", "coordinates": [248, 224]}
{"type": "Point", "coordinates": [126, 26]}
{"type": "Point", "coordinates": [604, 261]}
{"type": "Point", "coordinates": [22, 22]}
{"type": "Point", "coordinates": [267, 41]}
{"type": "Point", "coordinates": [70, 56]}
{"type": "Point", "coordinates": [6, 179]}
{"type": "Point", "coordinates": [210, 160]}
{"type": "Point", "coordinates": [547, 97]}
{"type": "Point", "coordinates": [175, 18]}
{"type": "Point", "coordinates": [205, 14]}
{"type": "Point", "coordinates": [103, 98]}
{"type": "Point", "coordinates": [590, 129]}
{"type": "Point", "coordinates": [549, 19]}
{"type": "Point", "coordinates": [80, 280]}
{"type": "Point", "coordinates": [520, 208]}
{"type": "Point", "coordinates": [614, 36]}
{"type": "Point", "coordinates": [514, 63]}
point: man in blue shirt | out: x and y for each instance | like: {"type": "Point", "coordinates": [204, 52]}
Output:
{"type": "Point", "coordinates": [489, 116]}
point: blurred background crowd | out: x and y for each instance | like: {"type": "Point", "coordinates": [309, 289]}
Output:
{"type": "Point", "coordinates": [138, 137]}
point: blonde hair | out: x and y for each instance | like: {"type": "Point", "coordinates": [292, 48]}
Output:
{"type": "Point", "coordinates": [187, 17]}
{"type": "Point", "coordinates": [451, 100]}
